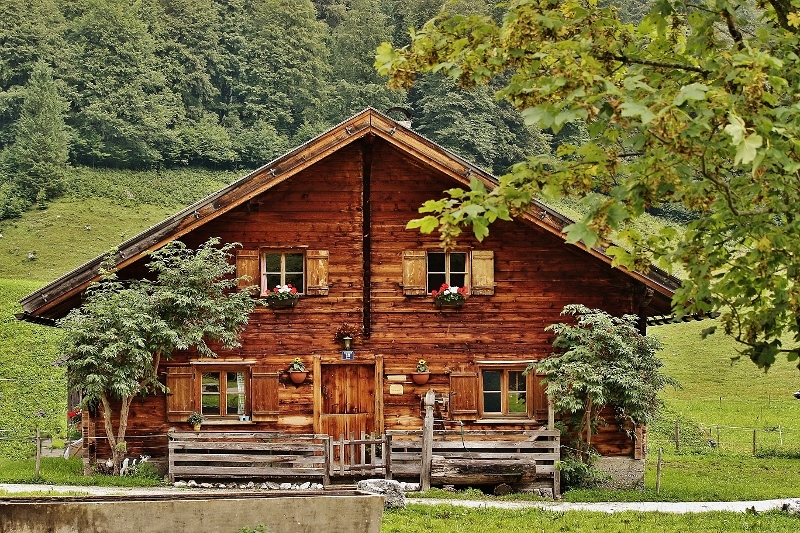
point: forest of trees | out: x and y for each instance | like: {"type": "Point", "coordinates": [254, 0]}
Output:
{"type": "Point", "coordinates": [222, 84]}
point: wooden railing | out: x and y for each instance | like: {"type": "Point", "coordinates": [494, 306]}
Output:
{"type": "Point", "coordinates": [519, 458]}
{"type": "Point", "coordinates": [359, 457]}
{"type": "Point", "coordinates": [236, 455]}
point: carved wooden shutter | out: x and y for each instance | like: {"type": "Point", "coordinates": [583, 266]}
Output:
{"type": "Point", "coordinates": [264, 390]}
{"type": "Point", "coordinates": [317, 266]}
{"type": "Point", "coordinates": [464, 395]}
{"type": "Point", "coordinates": [540, 401]}
{"type": "Point", "coordinates": [180, 398]}
{"type": "Point", "coordinates": [247, 264]}
{"type": "Point", "coordinates": [414, 273]}
{"type": "Point", "coordinates": [482, 272]}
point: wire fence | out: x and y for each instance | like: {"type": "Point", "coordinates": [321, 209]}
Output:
{"type": "Point", "coordinates": [771, 440]}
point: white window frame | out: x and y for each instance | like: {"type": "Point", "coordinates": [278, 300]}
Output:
{"type": "Point", "coordinates": [447, 272]}
{"type": "Point", "coordinates": [265, 288]}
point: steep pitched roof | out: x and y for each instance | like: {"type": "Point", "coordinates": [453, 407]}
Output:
{"type": "Point", "coordinates": [56, 298]}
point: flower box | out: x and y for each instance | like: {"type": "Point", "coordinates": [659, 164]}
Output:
{"type": "Point", "coordinates": [282, 297]}
{"type": "Point", "coordinates": [282, 303]}
{"type": "Point", "coordinates": [448, 297]}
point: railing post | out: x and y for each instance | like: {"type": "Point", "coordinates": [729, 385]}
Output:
{"type": "Point", "coordinates": [427, 441]}
{"type": "Point", "coordinates": [387, 456]}
{"type": "Point", "coordinates": [327, 466]}
{"type": "Point", "coordinates": [342, 451]}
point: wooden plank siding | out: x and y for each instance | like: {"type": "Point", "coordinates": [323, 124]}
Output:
{"type": "Point", "coordinates": [322, 208]}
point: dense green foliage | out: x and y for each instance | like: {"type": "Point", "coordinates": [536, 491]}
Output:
{"type": "Point", "coordinates": [601, 361]}
{"type": "Point", "coordinates": [215, 84]}
{"type": "Point", "coordinates": [695, 105]}
{"type": "Point", "coordinates": [29, 383]}
{"type": "Point", "coordinates": [114, 343]}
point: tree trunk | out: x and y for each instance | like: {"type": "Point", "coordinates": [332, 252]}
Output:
{"type": "Point", "coordinates": [116, 442]}
{"type": "Point", "coordinates": [588, 426]}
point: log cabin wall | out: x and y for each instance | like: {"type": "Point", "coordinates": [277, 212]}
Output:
{"type": "Point", "coordinates": [322, 208]}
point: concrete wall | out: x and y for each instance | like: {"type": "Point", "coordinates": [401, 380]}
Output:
{"type": "Point", "coordinates": [302, 513]}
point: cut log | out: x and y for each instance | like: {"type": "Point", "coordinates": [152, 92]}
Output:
{"type": "Point", "coordinates": [466, 471]}
{"type": "Point", "coordinates": [503, 489]}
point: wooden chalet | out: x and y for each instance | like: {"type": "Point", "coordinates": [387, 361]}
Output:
{"type": "Point", "coordinates": [330, 217]}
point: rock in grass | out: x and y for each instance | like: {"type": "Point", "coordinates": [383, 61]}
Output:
{"type": "Point", "coordinates": [392, 491]}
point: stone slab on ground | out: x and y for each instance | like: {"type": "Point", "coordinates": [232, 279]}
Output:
{"type": "Point", "coordinates": [604, 507]}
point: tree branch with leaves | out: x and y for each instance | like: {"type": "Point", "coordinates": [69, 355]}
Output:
{"type": "Point", "coordinates": [711, 109]}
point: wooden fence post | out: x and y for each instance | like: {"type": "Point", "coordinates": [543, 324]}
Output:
{"type": "Point", "coordinates": [754, 441]}
{"type": "Point", "coordinates": [38, 450]}
{"type": "Point", "coordinates": [677, 436]}
{"type": "Point", "coordinates": [427, 441]}
{"type": "Point", "coordinates": [658, 470]}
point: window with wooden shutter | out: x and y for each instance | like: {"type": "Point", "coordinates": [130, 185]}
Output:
{"type": "Point", "coordinates": [180, 397]}
{"type": "Point", "coordinates": [414, 273]}
{"type": "Point", "coordinates": [247, 264]}
{"type": "Point", "coordinates": [317, 268]}
{"type": "Point", "coordinates": [482, 272]}
{"type": "Point", "coordinates": [464, 395]}
{"type": "Point", "coordinates": [264, 387]}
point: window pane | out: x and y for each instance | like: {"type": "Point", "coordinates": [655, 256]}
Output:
{"type": "Point", "coordinates": [273, 280]}
{"type": "Point", "coordinates": [436, 262]}
{"type": "Point", "coordinates": [274, 263]}
{"type": "Point", "coordinates": [516, 381]}
{"type": "Point", "coordinates": [435, 281]}
{"type": "Point", "coordinates": [294, 263]}
{"type": "Point", "coordinates": [210, 404]}
{"type": "Point", "coordinates": [516, 402]}
{"type": "Point", "coordinates": [491, 380]}
{"type": "Point", "coordinates": [491, 402]}
{"type": "Point", "coordinates": [458, 262]}
{"type": "Point", "coordinates": [210, 382]}
{"type": "Point", "coordinates": [235, 404]}
{"type": "Point", "coordinates": [236, 382]}
{"type": "Point", "coordinates": [295, 280]}
{"type": "Point", "coordinates": [457, 280]}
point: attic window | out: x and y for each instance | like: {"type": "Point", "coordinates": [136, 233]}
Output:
{"type": "Point", "coordinates": [425, 271]}
{"type": "Point", "coordinates": [283, 268]}
{"type": "Point", "coordinates": [447, 267]}
{"type": "Point", "coordinates": [266, 268]}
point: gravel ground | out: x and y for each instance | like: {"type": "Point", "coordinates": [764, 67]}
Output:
{"type": "Point", "coordinates": [606, 507]}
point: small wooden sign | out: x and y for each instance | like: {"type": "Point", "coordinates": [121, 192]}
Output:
{"type": "Point", "coordinates": [397, 378]}
{"type": "Point", "coordinates": [348, 355]}
{"type": "Point", "coordinates": [396, 389]}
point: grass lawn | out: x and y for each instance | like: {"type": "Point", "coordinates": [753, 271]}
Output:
{"type": "Point", "coordinates": [57, 471]}
{"type": "Point", "coordinates": [450, 519]}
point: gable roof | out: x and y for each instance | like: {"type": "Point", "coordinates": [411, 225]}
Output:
{"type": "Point", "coordinates": [56, 298]}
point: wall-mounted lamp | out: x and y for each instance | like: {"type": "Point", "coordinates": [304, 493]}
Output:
{"type": "Point", "coordinates": [348, 340]}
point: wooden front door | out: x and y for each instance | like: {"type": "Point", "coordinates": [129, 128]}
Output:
{"type": "Point", "coordinates": [347, 403]}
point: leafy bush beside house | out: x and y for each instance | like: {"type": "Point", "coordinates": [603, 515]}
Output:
{"type": "Point", "coordinates": [29, 383]}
